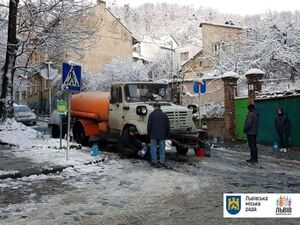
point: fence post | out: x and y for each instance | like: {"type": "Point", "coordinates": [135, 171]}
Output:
{"type": "Point", "coordinates": [230, 83]}
{"type": "Point", "coordinates": [254, 83]}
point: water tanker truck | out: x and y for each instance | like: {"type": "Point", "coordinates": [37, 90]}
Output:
{"type": "Point", "coordinates": [107, 115]}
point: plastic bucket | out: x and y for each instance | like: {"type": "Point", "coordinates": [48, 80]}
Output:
{"type": "Point", "coordinates": [200, 152]}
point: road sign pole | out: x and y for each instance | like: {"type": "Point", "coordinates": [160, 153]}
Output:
{"type": "Point", "coordinates": [60, 132]}
{"type": "Point", "coordinates": [199, 103]}
{"type": "Point", "coordinates": [69, 124]}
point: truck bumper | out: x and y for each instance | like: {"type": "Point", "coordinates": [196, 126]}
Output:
{"type": "Point", "coordinates": [192, 139]}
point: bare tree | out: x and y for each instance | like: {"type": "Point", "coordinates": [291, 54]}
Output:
{"type": "Point", "coordinates": [39, 31]}
{"type": "Point", "coordinates": [6, 100]}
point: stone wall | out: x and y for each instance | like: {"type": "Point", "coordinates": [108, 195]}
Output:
{"type": "Point", "coordinates": [215, 127]}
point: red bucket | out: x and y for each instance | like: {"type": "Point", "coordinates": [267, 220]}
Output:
{"type": "Point", "coordinates": [200, 152]}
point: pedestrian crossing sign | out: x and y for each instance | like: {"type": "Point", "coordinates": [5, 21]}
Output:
{"type": "Point", "coordinates": [71, 77]}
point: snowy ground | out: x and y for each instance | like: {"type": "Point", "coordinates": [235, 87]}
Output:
{"type": "Point", "coordinates": [128, 191]}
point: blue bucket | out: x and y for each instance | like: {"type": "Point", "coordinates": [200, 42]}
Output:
{"type": "Point", "coordinates": [95, 150]}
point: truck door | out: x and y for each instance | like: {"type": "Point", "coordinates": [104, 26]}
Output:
{"type": "Point", "coordinates": [116, 114]}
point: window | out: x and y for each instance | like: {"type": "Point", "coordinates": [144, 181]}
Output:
{"type": "Point", "coordinates": [46, 84]}
{"type": "Point", "coordinates": [17, 96]}
{"type": "Point", "coordinates": [30, 90]}
{"type": "Point", "coordinates": [216, 48]}
{"type": "Point", "coordinates": [23, 97]}
{"type": "Point", "coordinates": [147, 92]}
{"type": "Point", "coordinates": [184, 56]}
{"type": "Point", "coordinates": [222, 46]}
{"type": "Point", "coordinates": [116, 95]}
{"type": "Point", "coordinates": [35, 87]}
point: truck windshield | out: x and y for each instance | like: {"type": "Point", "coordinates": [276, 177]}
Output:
{"type": "Point", "coordinates": [147, 92]}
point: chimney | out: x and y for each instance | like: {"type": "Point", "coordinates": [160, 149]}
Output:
{"type": "Point", "coordinates": [101, 2]}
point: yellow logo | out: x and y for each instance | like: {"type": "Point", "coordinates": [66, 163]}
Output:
{"type": "Point", "coordinates": [233, 204]}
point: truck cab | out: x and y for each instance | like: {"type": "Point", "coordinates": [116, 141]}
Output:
{"type": "Point", "coordinates": [131, 103]}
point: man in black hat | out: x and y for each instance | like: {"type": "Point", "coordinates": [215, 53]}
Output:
{"type": "Point", "coordinates": [158, 130]}
{"type": "Point", "coordinates": [251, 129]}
{"type": "Point", "coordinates": [129, 144]}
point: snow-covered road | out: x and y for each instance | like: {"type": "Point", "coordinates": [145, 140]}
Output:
{"type": "Point", "coordinates": [132, 192]}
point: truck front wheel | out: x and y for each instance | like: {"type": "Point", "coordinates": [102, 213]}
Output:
{"type": "Point", "coordinates": [181, 151]}
{"type": "Point", "coordinates": [78, 134]}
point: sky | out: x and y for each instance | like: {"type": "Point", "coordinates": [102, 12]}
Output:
{"type": "Point", "coordinates": [241, 7]}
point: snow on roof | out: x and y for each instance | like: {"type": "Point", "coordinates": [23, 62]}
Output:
{"type": "Point", "coordinates": [230, 74]}
{"type": "Point", "coordinates": [220, 25]}
{"type": "Point", "coordinates": [163, 41]}
{"type": "Point", "coordinates": [212, 75]}
{"type": "Point", "coordinates": [193, 57]}
{"type": "Point", "coordinates": [138, 56]}
{"type": "Point", "coordinates": [254, 71]}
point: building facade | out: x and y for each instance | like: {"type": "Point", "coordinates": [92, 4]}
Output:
{"type": "Point", "coordinates": [216, 38]}
{"type": "Point", "coordinates": [150, 48]}
{"type": "Point", "coordinates": [110, 40]}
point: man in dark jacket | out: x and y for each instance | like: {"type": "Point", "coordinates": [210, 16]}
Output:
{"type": "Point", "coordinates": [129, 144]}
{"type": "Point", "coordinates": [251, 129]}
{"type": "Point", "coordinates": [158, 130]}
{"type": "Point", "coordinates": [282, 125]}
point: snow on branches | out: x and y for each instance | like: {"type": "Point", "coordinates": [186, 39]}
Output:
{"type": "Point", "coordinates": [119, 70]}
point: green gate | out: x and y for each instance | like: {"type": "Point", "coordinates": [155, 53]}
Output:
{"type": "Point", "coordinates": [267, 110]}
{"type": "Point", "coordinates": [241, 110]}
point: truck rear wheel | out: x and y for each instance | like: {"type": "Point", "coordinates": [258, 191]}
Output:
{"type": "Point", "coordinates": [78, 134]}
{"type": "Point", "coordinates": [181, 151]}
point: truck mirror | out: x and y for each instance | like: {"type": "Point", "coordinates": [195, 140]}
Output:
{"type": "Point", "coordinates": [193, 108]}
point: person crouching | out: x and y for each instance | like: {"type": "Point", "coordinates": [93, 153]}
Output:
{"type": "Point", "coordinates": [129, 144]}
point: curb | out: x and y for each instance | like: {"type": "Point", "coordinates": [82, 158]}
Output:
{"type": "Point", "coordinates": [261, 156]}
{"type": "Point", "coordinates": [30, 172]}
{"type": "Point", "coordinates": [46, 171]}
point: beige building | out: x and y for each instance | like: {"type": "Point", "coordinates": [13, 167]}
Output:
{"type": "Point", "coordinates": [216, 38]}
{"type": "Point", "coordinates": [111, 40]}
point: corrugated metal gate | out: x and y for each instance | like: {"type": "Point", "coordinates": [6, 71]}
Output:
{"type": "Point", "coordinates": [241, 110]}
{"type": "Point", "coordinates": [267, 110]}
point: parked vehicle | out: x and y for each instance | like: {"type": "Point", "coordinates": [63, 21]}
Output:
{"type": "Point", "coordinates": [129, 104]}
{"type": "Point", "coordinates": [24, 114]}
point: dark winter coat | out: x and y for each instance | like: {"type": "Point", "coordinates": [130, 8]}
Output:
{"type": "Point", "coordinates": [128, 141]}
{"type": "Point", "coordinates": [158, 125]}
{"type": "Point", "coordinates": [282, 124]}
{"type": "Point", "coordinates": [251, 123]}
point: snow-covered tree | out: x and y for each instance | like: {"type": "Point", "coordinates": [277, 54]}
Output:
{"type": "Point", "coordinates": [165, 66]}
{"type": "Point", "coordinates": [39, 30]}
{"type": "Point", "coordinates": [119, 70]}
{"type": "Point", "coordinates": [271, 43]}
{"type": "Point", "coordinates": [123, 70]}
{"type": "Point", "coordinates": [162, 19]}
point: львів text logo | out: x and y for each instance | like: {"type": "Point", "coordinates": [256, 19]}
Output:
{"type": "Point", "coordinates": [284, 205]}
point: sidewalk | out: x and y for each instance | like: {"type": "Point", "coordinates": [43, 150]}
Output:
{"type": "Point", "coordinates": [27, 152]}
{"type": "Point", "coordinates": [15, 167]}
{"type": "Point", "coordinates": [17, 163]}
{"type": "Point", "coordinates": [263, 150]}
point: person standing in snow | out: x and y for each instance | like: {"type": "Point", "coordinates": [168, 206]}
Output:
{"type": "Point", "coordinates": [251, 129]}
{"type": "Point", "coordinates": [158, 130]}
{"type": "Point", "coordinates": [282, 126]}
{"type": "Point", "coordinates": [54, 124]}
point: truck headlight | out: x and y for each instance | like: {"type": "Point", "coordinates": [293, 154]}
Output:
{"type": "Point", "coordinates": [141, 110]}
